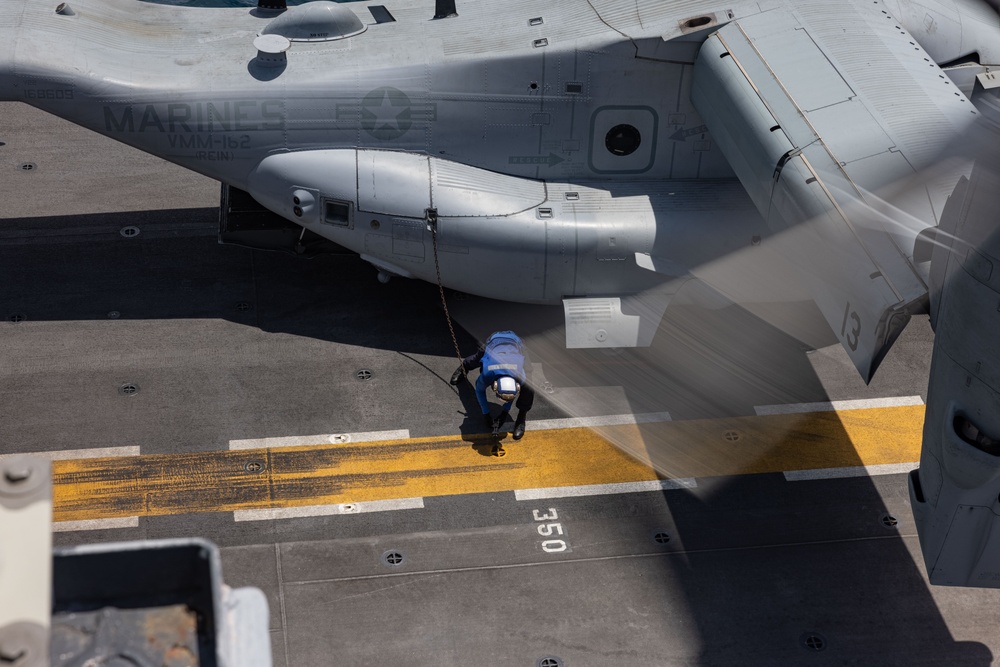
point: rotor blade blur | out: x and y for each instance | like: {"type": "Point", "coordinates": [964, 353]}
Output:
{"type": "Point", "coordinates": [704, 365]}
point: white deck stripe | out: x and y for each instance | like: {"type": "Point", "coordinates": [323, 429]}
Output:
{"type": "Point", "coordinates": [853, 471]}
{"type": "Point", "coordinates": [329, 510]}
{"type": "Point", "coordinates": [95, 524]}
{"type": "Point", "coordinates": [324, 438]}
{"type": "Point", "coordinates": [837, 406]}
{"type": "Point", "coordinates": [404, 434]}
{"type": "Point", "coordinates": [65, 454]}
{"type": "Point", "coordinates": [606, 489]}
{"type": "Point", "coordinates": [605, 420]}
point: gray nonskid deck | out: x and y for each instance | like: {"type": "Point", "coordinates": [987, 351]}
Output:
{"type": "Point", "coordinates": [757, 570]}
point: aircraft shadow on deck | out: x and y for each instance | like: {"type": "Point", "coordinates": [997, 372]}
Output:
{"type": "Point", "coordinates": [175, 269]}
{"type": "Point", "coordinates": [819, 575]}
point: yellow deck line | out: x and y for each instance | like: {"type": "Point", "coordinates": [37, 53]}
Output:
{"type": "Point", "coordinates": [214, 481]}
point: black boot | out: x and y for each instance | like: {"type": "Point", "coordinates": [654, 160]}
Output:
{"type": "Point", "coordinates": [518, 432]}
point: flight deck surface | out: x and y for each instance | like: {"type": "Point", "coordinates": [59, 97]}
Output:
{"type": "Point", "coordinates": [298, 413]}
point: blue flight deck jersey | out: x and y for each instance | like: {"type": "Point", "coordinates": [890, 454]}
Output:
{"type": "Point", "coordinates": [503, 355]}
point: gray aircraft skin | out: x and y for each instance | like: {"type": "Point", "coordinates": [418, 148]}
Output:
{"type": "Point", "coordinates": [596, 154]}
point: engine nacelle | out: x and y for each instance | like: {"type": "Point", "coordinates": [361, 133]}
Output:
{"type": "Point", "coordinates": [490, 227]}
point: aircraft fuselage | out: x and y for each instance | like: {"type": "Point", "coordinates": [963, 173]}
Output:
{"type": "Point", "coordinates": [575, 115]}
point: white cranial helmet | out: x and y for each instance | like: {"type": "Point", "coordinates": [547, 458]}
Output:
{"type": "Point", "coordinates": [506, 388]}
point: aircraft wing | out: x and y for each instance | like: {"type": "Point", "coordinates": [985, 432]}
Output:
{"type": "Point", "coordinates": [816, 107]}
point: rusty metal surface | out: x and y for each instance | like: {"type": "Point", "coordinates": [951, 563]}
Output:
{"type": "Point", "coordinates": [151, 637]}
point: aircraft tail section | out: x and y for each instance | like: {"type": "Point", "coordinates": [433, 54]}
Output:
{"type": "Point", "coordinates": [812, 137]}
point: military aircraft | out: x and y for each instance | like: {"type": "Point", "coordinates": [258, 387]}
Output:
{"type": "Point", "coordinates": [612, 156]}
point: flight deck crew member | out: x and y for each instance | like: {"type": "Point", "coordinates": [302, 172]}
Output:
{"type": "Point", "coordinates": [501, 368]}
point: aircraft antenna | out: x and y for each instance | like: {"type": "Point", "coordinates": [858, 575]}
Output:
{"type": "Point", "coordinates": [442, 8]}
{"type": "Point", "coordinates": [272, 5]}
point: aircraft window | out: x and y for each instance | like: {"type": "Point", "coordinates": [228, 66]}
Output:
{"type": "Point", "coordinates": [622, 140]}
{"type": "Point", "coordinates": [337, 212]}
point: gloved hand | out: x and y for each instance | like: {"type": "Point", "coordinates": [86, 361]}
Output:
{"type": "Point", "coordinates": [488, 421]}
{"type": "Point", "coordinates": [456, 376]}
{"type": "Point", "coordinates": [504, 416]}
